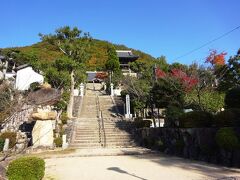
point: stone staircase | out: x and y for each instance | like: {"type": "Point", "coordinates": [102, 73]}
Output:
{"type": "Point", "coordinates": [97, 127]}
{"type": "Point", "coordinates": [117, 133]}
{"type": "Point", "coordinates": [77, 106]}
{"type": "Point", "coordinates": [89, 135]}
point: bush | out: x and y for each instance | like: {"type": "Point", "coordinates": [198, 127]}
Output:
{"type": "Point", "coordinates": [1, 144]}
{"type": "Point", "coordinates": [11, 136]}
{"type": "Point", "coordinates": [160, 145]}
{"type": "Point", "coordinates": [227, 139]}
{"type": "Point", "coordinates": [34, 86]}
{"type": "Point", "coordinates": [196, 119]}
{"type": "Point", "coordinates": [232, 98]}
{"type": "Point", "coordinates": [58, 141]}
{"type": "Point", "coordinates": [172, 116]}
{"type": "Point", "coordinates": [64, 118]}
{"type": "Point", "coordinates": [140, 123]}
{"type": "Point", "coordinates": [179, 145]}
{"type": "Point", "coordinates": [26, 168]}
{"type": "Point", "coordinates": [148, 142]}
{"type": "Point", "coordinates": [229, 117]}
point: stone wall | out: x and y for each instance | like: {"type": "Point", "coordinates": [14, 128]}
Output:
{"type": "Point", "coordinates": [77, 106]}
{"type": "Point", "coordinates": [192, 143]}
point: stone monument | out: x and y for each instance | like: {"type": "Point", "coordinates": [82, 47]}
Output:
{"type": "Point", "coordinates": [128, 114]}
{"type": "Point", "coordinates": [42, 133]}
{"type": "Point", "coordinates": [112, 92]}
{"type": "Point", "coordinates": [6, 145]}
{"type": "Point", "coordinates": [64, 142]}
{"type": "Point", "coordinates": [81, 89]}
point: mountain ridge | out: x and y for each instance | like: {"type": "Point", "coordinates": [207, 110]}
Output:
{"type": "Point", "coordinates": [98, 51]}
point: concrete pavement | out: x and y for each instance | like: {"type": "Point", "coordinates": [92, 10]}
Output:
{"type": "Point", "coordinates": [143, 167]}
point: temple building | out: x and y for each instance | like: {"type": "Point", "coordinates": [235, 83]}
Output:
{"type": "Point", "coordinates": [126, 57]}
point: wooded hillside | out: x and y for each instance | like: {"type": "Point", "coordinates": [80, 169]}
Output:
{"type": "Point", "coordinates": [47, 52]}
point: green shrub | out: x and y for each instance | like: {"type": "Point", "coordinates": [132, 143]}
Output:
{"type": "Point", "coordinates": [58, 141]}
{"type": "Point", "coordinates": [148, 142]}
{"type": "Point", "coordinates": [196, 119]}
{"type": "Point", "coordinates": [229, 117]}
{"type": "Point", "coordinates": [11, 136]}
{"type": "Point", "coordinates": [1, 144]}
{"type": "Point", "coordinates": [160, 145]}
{"type": "Point", "coordinates": [34, 86]}
{"type": "Point", "coordinates": [179, 145]}
{"type": "Point", "coordinates": [232, 98]}
{"type": "Point", "coordinates": [172, 114]}
{"type": "Point", "coordinates": [64, 118]}
{"type": "Point", "coordinates": [227, 139]}
{"type": "Point", "coordinates": [140, 123]}
{"type": "Point", "coordinates": [26, 168]}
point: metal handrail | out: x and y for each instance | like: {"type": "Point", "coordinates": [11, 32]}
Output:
{"type": "Point", "coordinates": [103, 130]}
{"type": "Point", "coordinates": [98, 119]}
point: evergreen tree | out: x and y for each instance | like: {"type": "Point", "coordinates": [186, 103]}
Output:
{"type": "Point", "coordinates": [112, 63]}
{"type": "Point", "coordinates": [74, 45]}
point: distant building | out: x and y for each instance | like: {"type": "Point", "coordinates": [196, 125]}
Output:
{"type": "Point", "coordinates": [25, 76]}
{"type": "Point", "coordinates": [7, 66]}
{"type": "Point", "coordinates": [22, 76]}
{"type": "Point", "coordinates": [126, 57]}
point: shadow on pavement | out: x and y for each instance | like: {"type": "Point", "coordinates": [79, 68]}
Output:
{"type": "Point", "coordinates": [117, 169]}
{"type": "Point", "coordinates": [210, 170]}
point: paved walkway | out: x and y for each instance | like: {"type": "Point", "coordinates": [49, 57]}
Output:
{"type": "Point", "coordinates": [143, 167]}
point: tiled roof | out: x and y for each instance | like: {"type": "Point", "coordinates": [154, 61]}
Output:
{"type": "Point", "coordinates": [125, 54]}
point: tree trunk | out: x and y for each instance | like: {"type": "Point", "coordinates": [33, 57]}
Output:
{"type": "Point", "coordinates": [71, 99]}
{"type": "Point", "coordinates": [154, 121]}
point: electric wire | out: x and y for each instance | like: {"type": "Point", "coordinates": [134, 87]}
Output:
{"type": "Point", "coordinates": [209, 42]}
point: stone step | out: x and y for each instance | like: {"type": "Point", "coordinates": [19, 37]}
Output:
{"type": "Point", "coordinates": [112, 136]}
{"type": "Point", "coordinates": [105, 127]}
{"type": "Point", "coordinates": [97, 129]}
{"type": "Point", "coordinates": [126, 138]}
{"type": "Point", "coordinates": [112, 143]}
{"type": "Point", "coordinates": [115, 144]}
{"type": "Point", "coordinates": [105, 130]}
{"type": "Point", "coordinates": [107, 139]}
{"type": "Point", "coordinates": [85, 146]}
{"type": "Point", "coordinates": [106, 133]}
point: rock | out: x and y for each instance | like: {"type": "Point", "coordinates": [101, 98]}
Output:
{"type": "Point", "coordinates": [42, 133]}
{"type": "Point", "coordinates": [44, 115]}
{"type": "Point", "coordinates": [64, 140]}
{"type": "Point", "coordinates": [6, 145]}
{"type": "Point", "coordinates": [20, 147]}
{"type": "Point", "coordinates": [46, 86]}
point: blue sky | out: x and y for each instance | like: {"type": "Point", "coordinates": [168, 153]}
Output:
{"type": "Point", "coordinates": [158, 27]}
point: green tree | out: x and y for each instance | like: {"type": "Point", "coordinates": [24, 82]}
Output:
{"type": "Point", "coordinates": [210, 100]}
{"type": "Point", "coordinates": [229, 74]}
{"type": "Point", "coordinates": [112, 63]}
{"type": "Point", "coordinates": [161, 62]}
{"type": "Point", "coordinates": [139, 90]}
{"type": "Point", "coordinates": [75, 46]}
{"type": "Point", "coordinates": [168, 91]}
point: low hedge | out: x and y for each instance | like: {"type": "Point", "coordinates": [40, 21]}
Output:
{"type": "Point", "coordinates": [64, 118]}
{"type": "Point", "coordinates": [2, 141]}
{"type": "Point", "coordinates": [229, 117]}
{"type": "Point", "coordinates": [227, 139]}
{"type": "Point", "coordinates": [26, 168]}
{"type": "Point", "coordinates": [140, 123]}
{"type": "Point", "coordinates": [58, 141]}
{"type": "Point", "coordinates": [232, 98]}
{"type": "Point", "coordinates": [196, 119]}
{"type": "Point", "coordinates": [11, 136]}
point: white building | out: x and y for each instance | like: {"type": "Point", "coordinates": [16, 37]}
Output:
{"type": "Point", "coordinates": [25, 76]}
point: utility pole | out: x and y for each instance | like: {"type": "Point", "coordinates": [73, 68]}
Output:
{"type": "Point", "coordinates": [154, 78]}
